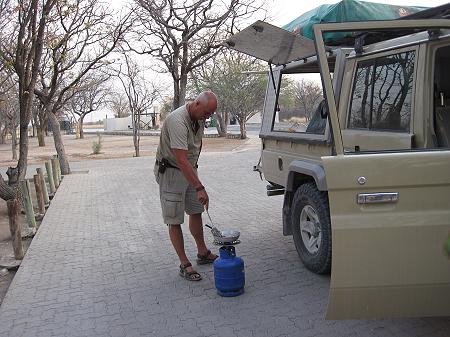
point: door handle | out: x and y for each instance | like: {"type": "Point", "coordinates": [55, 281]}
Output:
{"type": "Point", "coordinates": [377, 198]}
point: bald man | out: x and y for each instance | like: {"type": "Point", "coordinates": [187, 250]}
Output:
{"type": "Point", "coordinates": [180, 188]}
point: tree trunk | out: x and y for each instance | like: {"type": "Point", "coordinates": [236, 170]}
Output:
{"type": "Point", "coordinates": [40, 126]}
{"type": "Point", "coordinates": [23, 151]}
{"type": "Point", "coordinates": [242, 128]}
{"type": "Point", "coordinates": [183, 84]}
{"type": "Point", "coordinates": [33, 127]}
{"type": "Point", "coordinates": [3, 134]}
{"type": "Point", "coordinates": [221, 125]}
{"type": "Point", "coordinates": [136, 132]}
{"type": "Point", "coordinates": [176, 94]}
{"type": "Point", "coordinates": [59, 145]}
{"type": "Point", "coordinates": [80, 125]}
{"type": "Point", "coordinates": [77, 129]}
{"type": "Point", "coordinates": [40, 136]}
{"type": "Point", "coordinates": [136, 143]}
{"type": "Point", "coordinates": [179, 91]}
{"type": "Point", "coordinates": [14, 143]}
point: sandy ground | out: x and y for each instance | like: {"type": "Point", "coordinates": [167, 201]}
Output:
{"type": "Point", "coordinates": [112, 147]}
{"type": "Point", "coordinates": [80, 150]}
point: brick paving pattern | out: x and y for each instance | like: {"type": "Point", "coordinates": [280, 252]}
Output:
{"type": "Point", "coordinates": [101, 264]}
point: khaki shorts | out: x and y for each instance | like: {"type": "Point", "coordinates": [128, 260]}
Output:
{"type": "Point", "coordinates": [176, 195]}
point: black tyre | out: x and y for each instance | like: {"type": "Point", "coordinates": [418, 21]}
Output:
{"type": "Point", "coordinates": [311, 228]}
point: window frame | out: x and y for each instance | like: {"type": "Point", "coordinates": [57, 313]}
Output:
{"type": "Point", "coordinates": [276, 105]}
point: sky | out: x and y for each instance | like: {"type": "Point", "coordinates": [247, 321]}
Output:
{"type": "Point", "coordinates": [281, 12]}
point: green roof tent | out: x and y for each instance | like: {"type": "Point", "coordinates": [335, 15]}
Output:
{"type": "Point", "coordinates": [345, 11]}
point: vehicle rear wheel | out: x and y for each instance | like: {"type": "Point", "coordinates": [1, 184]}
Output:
{"type": "Point", "coordinates": [311, 228]}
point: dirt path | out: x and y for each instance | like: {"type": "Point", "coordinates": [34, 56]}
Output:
{"type": "Point", "coordinates": [112, 147]}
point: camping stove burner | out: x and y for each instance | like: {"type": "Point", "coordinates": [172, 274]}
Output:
{"type": "Point", "coordinates": [232, 243]}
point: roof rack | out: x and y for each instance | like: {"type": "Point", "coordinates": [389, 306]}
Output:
{"type": "Point", "coordinates": [363, 38]}
{"type": "Point", "coordinates": [439, 12]}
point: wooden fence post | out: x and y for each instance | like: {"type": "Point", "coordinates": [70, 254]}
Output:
{"type": "Point", "coordinates": [39, 193]}
{"type": "Point", "coordinates": [51, 183]}
{"type": "Point", "coordinates": [44, 185]}
{"type": "Point", "coordinates": [27, 204]}
{"type": "Point", "coordinates": [14, 227]}
{"type": "Point", "coordinates": [59, 169]}
{"type": "Point", "coordinates": [55, 171]}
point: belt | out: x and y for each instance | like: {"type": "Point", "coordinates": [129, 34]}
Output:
{"type": "Point", "coordinates": [167, 164]}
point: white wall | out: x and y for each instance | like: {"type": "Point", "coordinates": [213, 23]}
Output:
{"type": "Point", "coordinates": [120, 124]}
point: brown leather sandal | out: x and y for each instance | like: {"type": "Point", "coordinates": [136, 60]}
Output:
{"type": "Point", "coordinates": [189, 275]}
{"type": "Point", "coordinates": [206, 258]}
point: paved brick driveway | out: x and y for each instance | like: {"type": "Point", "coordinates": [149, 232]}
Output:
{"type": "Point", "coordinates": [101, 265]}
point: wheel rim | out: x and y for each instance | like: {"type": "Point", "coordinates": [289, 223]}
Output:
{"type": "Point", "coordinates": [310, 229]}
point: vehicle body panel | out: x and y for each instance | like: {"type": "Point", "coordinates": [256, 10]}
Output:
{"type": "Point", "coordinates": [389, 258]}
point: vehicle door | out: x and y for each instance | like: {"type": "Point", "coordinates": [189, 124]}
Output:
{"type": "Point", "coordinates": [390, 211]}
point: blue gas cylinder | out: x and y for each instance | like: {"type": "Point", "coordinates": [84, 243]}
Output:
{"type": "Point", "coordinates": [229, 272]}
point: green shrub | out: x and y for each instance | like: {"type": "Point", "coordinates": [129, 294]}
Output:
{"type": "Point", "coordinates": [97, 144]}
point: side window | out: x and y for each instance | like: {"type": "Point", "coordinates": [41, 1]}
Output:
{"type": "Point", "coordinates": [298, 105]}
{"type": "Point", "coordinates": [382, 93]}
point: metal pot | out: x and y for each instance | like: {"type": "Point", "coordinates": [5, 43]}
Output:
{"type": "Point", "coordinates": [227, 236]}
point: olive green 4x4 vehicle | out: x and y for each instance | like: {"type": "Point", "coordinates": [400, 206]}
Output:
{"type": "Point", "coordinates": [366, 175]}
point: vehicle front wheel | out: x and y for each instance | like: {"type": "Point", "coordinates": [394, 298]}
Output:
{"type": "Point", "coordinates": [311, 228]}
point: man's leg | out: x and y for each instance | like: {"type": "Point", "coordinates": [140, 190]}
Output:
{"type": "Point", "coordinates": [176, 236]}
{"type": "Point", "coordinates": [196, 228]}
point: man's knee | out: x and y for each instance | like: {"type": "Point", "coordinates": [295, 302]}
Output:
{"type": "Point", "coordinates": [174, 227]}
{"type": "Point", "coordinates": [195, 218]}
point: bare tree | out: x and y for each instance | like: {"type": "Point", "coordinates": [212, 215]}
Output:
{"type": "Point", "coordinates": [141, 95]}
{"type": "Point", "coordinates": [80, 37]}
{"type": "Point", "coordinates": [9, 113]}
{"type": "Point", "coordinates": [118, 103]}
{"type": "Point", "coordinates": [89, 98]}
{"type": "Point", "coordinates": [185, 34]}
{"type": "Point", "coordinates": [308, 95]}
{"type": "Point", "coordinates": [241, 95]}
{"type": "Point", "coordinates": [25, 56]}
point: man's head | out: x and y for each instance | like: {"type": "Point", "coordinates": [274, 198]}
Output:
{"type": "Point", "coordinates": [203, 106]}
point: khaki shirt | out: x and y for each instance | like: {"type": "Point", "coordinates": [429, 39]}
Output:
{"type": "Point", "coordinates": [178, 132]}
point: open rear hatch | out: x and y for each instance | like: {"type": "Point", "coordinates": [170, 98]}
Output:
{"type": "Point", "coordinates": [272, 44]}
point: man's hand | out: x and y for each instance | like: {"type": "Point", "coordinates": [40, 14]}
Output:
{"type": "Point", "coordinates": [203, 198]}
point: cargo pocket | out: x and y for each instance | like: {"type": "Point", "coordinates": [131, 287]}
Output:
{"type": "Point", "coordinates": [172, 204]}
